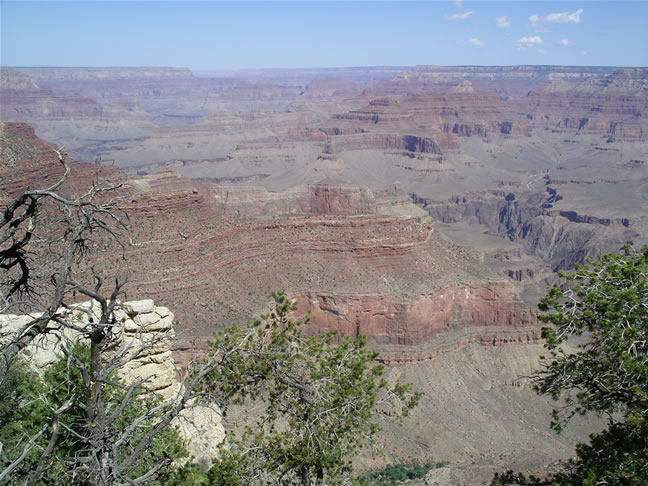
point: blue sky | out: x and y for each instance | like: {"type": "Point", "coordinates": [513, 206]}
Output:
{"type": "Point", "coordinates": [232, 35]}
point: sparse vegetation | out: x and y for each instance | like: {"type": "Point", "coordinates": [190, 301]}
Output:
{"type": "Point", "coordinates": [51, 410]}
{"type": "Point", "coordinates": [78, 424]}
{"type": "Point", "coordinates": [320, 397]}
{"type": "Point", "coordinates": [607, 301]}
{"type": "Point", "coordinates": [395, 474]}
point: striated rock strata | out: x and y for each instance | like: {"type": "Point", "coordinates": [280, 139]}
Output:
{"type": "Point", "coordinates": [613, 105]}
{"type": "Point", "coordinates": [420, 327]}
{"type": "Point", "coordinates": [389, 320]}
{"type": "Point", "coordinates": [394, 271]}
{"type": "Point", "coordinates": [325, 197]}
{"type": "Point", "coordinates": [460, 112]}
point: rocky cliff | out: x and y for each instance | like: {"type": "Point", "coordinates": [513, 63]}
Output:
{"type": "Point", "coordinates": [27, 161]}
{"type": "Point", "coordinates": [613, 105]}
{"type": "Point", "coordinates": [561, 238]}
{"type": "Point", "coordinates": [146, 336]}
{"type": "Point", "coordinates": [221, 268]}
{"type": "Point", "coordinates": [451, 111]}
{"type": "Point", "coordinates": [389, 320]}
{"type": "Point", "coordinates": [325, 197]}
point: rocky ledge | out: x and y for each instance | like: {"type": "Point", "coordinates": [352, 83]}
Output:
{"type": "Point", "coordinates": [490, 313]}
{"type": "Point", "coordinates": [146, 334]}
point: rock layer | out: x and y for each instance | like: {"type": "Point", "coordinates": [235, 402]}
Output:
{"type": "Point", "coordinates": [560, 238]}
{"type": "Point", "coordinates": [390, 321]}
{"type": "Point", "coordinates": [220, 269]}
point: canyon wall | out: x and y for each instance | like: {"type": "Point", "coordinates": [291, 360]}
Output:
{"type": "Point", "coordinates": [322, 240]}
{"type": "Point", "coordinates": [387, 320]}
{"type": "Point", "coordinates": [561, 238]}
{"type": "Point", "coordinates": [520, 171]}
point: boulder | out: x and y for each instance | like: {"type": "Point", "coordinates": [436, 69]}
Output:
{"type": "Point", "coordinates": [139, 306]}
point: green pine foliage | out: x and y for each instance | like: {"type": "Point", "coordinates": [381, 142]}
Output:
{"type": "Point", "coordinates": [321, 397]}
{"type": "Point", "coordinates": [26, 404]}
{"type": "Point", "coordinates": [607, 302]}
{"type": "Point", "coordinates": [395, 474]}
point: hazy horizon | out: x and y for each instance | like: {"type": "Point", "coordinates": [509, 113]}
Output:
{"type": "Point", "coordinates": [320, 68]}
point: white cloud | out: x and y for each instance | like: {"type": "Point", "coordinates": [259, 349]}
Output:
{"type": "Point", "coordinates": [476, 42]}
{"type": "Point", "coordinates": [541, 51]}
{"type": "Point", "coordinates": [556, 18]}
{"type": "Point", "coordinates": [502, 22]}
{"type": "Point", "coordinates": [536, 39]}
{"type": "Point", "coordinates": [566, 42]}
{"type": "Point", "coordinates": [564, 17]}
{"type": "Point", "coordinates": [460, 16]}
{"type": "Point", "coordinates": [457, 3]}
{"type": "Point", "coordinates": [526, 42]}
{"type": "Point", "coordinates": [583, 53]}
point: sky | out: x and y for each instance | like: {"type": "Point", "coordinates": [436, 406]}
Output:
{"type": "Point", "coordinates": [218, 35]}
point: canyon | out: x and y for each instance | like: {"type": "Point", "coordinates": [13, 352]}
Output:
{"type": "Point", "coordinates": [425, 207]}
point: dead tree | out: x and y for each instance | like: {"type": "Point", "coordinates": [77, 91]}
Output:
{"type": "Point", "coordinates": [46, 242]}
{"type": "Point", "coordinates": [44, 237]}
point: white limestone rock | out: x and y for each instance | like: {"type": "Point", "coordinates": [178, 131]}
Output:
{"type": "Point", "coordinates": [202, 429]}
{"type": "Point", "coordinates": [161, 311]}
{"type": "Point", "coordinates": [160, 379]}
{"type": "Point", "coordinates": [147, 330]}
{"type": "Point", "coordinates": [139, 306]}
{"type": "Point", "coordinates": [150, 322]}
{"type": "Point", "coordinates": [10, 324]}
{"type": "Point", "coordinates": [148, 344]}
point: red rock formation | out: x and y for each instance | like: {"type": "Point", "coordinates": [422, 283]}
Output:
{"type": "Point", "coordinates": [463, 112]}
{"type": "Point", "coordinates": [388, 320]}
{"type": "Point", "coordinates": [614, 105]}
{"type": "Point", "coordinates": [28, 161]}
{"type": "Point", "coordinates": [390, 277]}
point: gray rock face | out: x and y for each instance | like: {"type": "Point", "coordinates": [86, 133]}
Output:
{"type": "Point", "coordinates": [560, 238]}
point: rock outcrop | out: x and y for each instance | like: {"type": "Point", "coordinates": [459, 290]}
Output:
{"type": "Point", "coordinates": [146, 332]}
{"type": "Point", "coordinates": [388, 320]}
{"type": "Point", "coordinates": [146, 337]}
{"type": "Point", "coordinates": [613, 105]}
{"type": "Point", "coordinates": [27, 161]}
{"type": "Point", "coordinates": [324, 197]}
{"type": "Point", "coordinates": [561, 238]}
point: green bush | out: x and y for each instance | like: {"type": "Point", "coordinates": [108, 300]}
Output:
{"type": "Point", "coordinates": [26, 404]}
{"type": "Point", "coordinates": [396, 473]}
